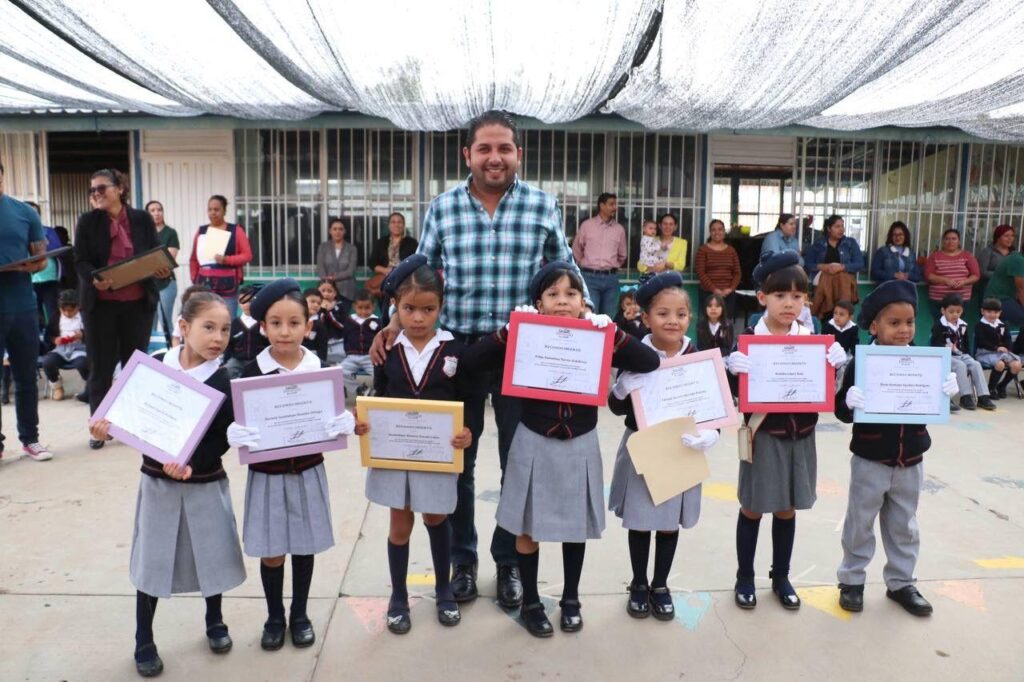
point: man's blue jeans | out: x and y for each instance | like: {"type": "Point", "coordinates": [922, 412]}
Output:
{"type": "Point", "coordinates": [19, 336]}
{"type": "Point", "coordinates": [604, 293]}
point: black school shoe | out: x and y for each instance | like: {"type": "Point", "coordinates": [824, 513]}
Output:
{"type": "Point", "coordinates": [302, 632]}
{"type": "Point", "coordinates": [448, 614]}
{"type": "Point", "coordinates": [273, 635]}
{"type": "Point", "coordinates": [510, 587]}
{"type": "Point", "coordinates": [464, 583]}
{"type": "Point", "coordinates": [967, 402]}
{"type": "Point", "coordinates": [96, 444]}
{"type": "Point", "coordinates": [783, 589]}
{"type": "Point", "coordinates": [570, 620]}
{"type": "Point", "coordinates": [219, 639]}
{"type": "Point", "coordinates": [985, 403]}
{"type": "Point", "coordinates": [661, 604]}
{"type": "Point", "coordinates": [744, 593]}
{"type": "Point", "coordinates": [953, 407]}
{"type": "Point", "coordinates": [638, 605]}
{"type": "Point", "coordinates": [851, 597]}
{"type": "Point", "coordinates": [398, 619]}
{"type": "Point", "coordinates": [147, 661]}
{"type": "Point", "coordinates": [536, 621]}
{"type": "Point", "coordinates": [910, 599]}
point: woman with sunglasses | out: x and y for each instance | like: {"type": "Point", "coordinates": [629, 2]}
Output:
{"type": "Point", "coordinates": [117, 321]}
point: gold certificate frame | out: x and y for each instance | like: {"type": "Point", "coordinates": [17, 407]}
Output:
{"type": "Point", "coordinates": [410, 435]}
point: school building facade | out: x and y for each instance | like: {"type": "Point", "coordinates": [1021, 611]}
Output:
{"type": "Point", "coordinates": [285, 179]}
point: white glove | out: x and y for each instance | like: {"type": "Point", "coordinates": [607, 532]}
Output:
{"type": "Point", "coordinates": [239, 435]}
{"type": "Point", "coordinates": [704, 440]}
{"type": "Point", "coordinates": [949, 386]}
{"type": "Point", "coordinates": [599, 321]}
{"type": "Point", "coordinates": [342, 425]}
{"type": "Point", "coordinates": [626, 384]}
{"type": "Point", "coordinates": [836, 355]}
{"type": "Point", "coordinates": [855, 398]}
{"type": "Point", "coordinates": [525, 309]}
{"type": "Point", "coordinates": [738, 363]}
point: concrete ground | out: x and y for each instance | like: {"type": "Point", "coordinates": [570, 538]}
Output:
{"type": "Point", "coordinates": [67, 606]}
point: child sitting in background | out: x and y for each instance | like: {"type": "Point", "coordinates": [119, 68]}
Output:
{"type": "Point", "coordinates": [358, 331]}
{"type": "Point", "coordinates": [843, 327]}
{"type": "Point", "coordinates": [247, 339]}
{"type": "Point", "coordinates": [629, 319]}
{"type": "Point", "coordinates": [951, 332]}
{"type": "Point", "coordinates": [316, 337]}
{"type": "Point", "coordinates": [992, 347]}
{"type": "Point", "coordinates": [66, 333]}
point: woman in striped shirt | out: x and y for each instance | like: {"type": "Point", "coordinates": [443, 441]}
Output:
{"type": "Point", "coordinates": [950, 271]}
{"type": "Point", "coordinates": [718, 268]}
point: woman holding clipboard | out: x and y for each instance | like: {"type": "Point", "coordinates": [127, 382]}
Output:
{"type": "Point", "coordinates": [219, 252]}
{"type": "Point", "coordinates": [117, 321]}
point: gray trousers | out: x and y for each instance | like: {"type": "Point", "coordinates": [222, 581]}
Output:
{"type": "Point", "coordinates": [891, 493]}
{"type": "Point", "coordinates": [969, 373]}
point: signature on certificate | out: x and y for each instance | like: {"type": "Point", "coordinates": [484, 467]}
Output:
{"type": "Point", "coordinates": [788, 394]}
{"type": "Point", "coordinates": [297, 436]}
{"type": "Point", "coordinates": [908, 403]}
{"type": "Point", "coordinates": [560, 380]}
{"type": "Point", "coordinates": [414, 453]}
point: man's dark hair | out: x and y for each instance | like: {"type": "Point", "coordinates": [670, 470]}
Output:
{"type": "Point", "coordinates": [604, 198]}
{"type": "Point", "coordinates": [492, 117]}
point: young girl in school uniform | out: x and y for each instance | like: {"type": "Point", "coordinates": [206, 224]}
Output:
{"type": "Point", "coordinates": [714, 330]}
{"type": "Point", "coordinates": [783, 474]}
{"type": "Point", "coordinates": [185, 538]}
{"type": "Point", "coordinates": [666, 311]}
{"type": "Point", "coordinates": [553, 488]}
{"type": "Point", "coordinates": [423, 364]}
{"type": "Point", "coordinates": [287, 504]}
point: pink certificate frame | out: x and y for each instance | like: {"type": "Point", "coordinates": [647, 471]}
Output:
{"type": "Point", "coordinates": [185, 454]}
{"type": "Point", "coordinates": [598, 399]}
{"type": "Point", "coordinates": [239, 386]}
{"type": "Point", "coordinates": [714, 356]}
{"type": "Point", "coordinates": [828, 405]}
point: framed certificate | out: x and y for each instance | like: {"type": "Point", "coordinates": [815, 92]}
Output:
{"type": "Point", "coordinates": [902, 384]}
{"type": "Point", "coordinates": [159, 411]}
{"type": "Point", "coordinates": [415, 435]}
{"type": "Point", "coordinates": [289, 410]}
{"type": "Point", "coordinates": [557, 358]}
{"type": "Point", "coordinates": [692, 385]}
{"type": "Point", "coordinates": [32, 259]}
{"type": "Point", "coordinates": [787, 374]}
{"type": "Point", "coordinates": [136, 268]}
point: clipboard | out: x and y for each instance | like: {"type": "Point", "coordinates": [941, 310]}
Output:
{"type": "Point", "coordinates": [136, 268]}
{"type": "Point", "coordinates": [7, 267]}
{"type": "Point", "coordinates": [210, 244]}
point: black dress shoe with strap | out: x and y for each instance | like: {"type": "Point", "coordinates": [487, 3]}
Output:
{"type": "Point", "coordinates": [273, 635]}
{"type": "Point", "coordinates": [571, 620]}
{"type": "Point", "coordinates": [510, 587]}
{"type": "Point", "coordinates": [783, 589]}
{"type": "Point", "coordinates": [147, 661]}
{"type": "Point", "coordinates": [302, 632]}
{"type": "Point", "coordinates": [910, 599]}
{"type": "Point", "coordinates": [218, 637]}
{"type": "Point", "coordinates": [464, 583]}
{"type": "Point", "coordinates": [536, 621]}
{"type": "Point", "coordinates": [398, 619]}
{"type": "Point", "coordinates": [851, 597]}
{"type": "Point", "coordinates": [638, 605]}
{"type": "Point", "coordinates": [745, 594]}
{"type": "Point", "coordinates": [661, 603]}
{"type": "Point", "coordinates": [448, 613]}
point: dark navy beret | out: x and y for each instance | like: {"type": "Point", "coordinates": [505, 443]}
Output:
{"type": "Point", "coordinates": [534, 289]}
{"type": "Point", "coordinates": [887, 293]}
{"type": "Point", "coordinates": [772, 262]}
{"type": "Point", "coordinates": [649, 289]}
{"type": "Point", "coordinates": [401, 272]}
{"type": "Point", "coordinates": [270, 294]}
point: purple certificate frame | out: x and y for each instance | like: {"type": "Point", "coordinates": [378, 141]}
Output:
{"type": "Point", "coordinates": [185, 454]}
{"type": "Point", "coordinates": [714, 356]}
{"type": "Point", "coordinates": [239, 386]}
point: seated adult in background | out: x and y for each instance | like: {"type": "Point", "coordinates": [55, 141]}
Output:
{"type": "Point", "coordinates": [783, 237]}
{"type": "Point", "coordinates": [993, 254]}
{"type": "Point", "coordinates": [950, 270]}
{"type": "Point", "coordinates": [673, 249]}
{"type": "Point", "coordinates": [1007, 286]}
{"type": "Point", "coordinates": [336, 260]}
{"type": "Point", "coordinates": [895, 260]}
{"type": "Point", "coordinates": [600, 250]}
{"type": "Point", "coordinates": [389, 251]}
{"type": "Point", "coordinates": [718, 268]}
{"type": "Point", "coordinates": [833, 262]}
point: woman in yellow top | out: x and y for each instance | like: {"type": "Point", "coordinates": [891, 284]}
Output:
{"type": "Point", "coordinates": [673, 248]}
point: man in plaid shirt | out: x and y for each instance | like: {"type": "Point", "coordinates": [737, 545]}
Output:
{"type": "Point", "coordinates": [488, 237]}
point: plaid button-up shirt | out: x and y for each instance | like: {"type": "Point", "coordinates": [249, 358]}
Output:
{"type": "Point", "coordinates": [488, 262]}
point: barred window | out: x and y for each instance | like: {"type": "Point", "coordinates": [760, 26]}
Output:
{"type": "Point", "coordinates": [994, 193]}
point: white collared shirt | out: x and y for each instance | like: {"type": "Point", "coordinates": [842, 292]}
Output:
{"type": "Point", "coordinates": [267, 364]}
{"type": "Point", "coordinates": [795, 329]}
{"type": "Point", "coordinates": [247, 320]}
{"type": "Point", "coordinates": [200, 372]}
{"type": "Point", "coordinates": [713, 327]}
{"type": "Point", "coordinates": [960, 324]}
{"type": "Point", "coordinates": [649, 342]}
{"type": "Point", "coordinates": [849, 325]}
{"type": "Point", "coordinates": [418, 360]}
{"type": "Point", "coordinates": [998, 324]}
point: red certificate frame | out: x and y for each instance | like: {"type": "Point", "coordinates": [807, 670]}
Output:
{"type": "Point", "coordinates": [828, 405]}
{"type": "Point", "coordinates": [516, 320]}
{"type": "Point", "coordinates": [713, 356]}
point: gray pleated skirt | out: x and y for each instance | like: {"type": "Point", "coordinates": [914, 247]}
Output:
{"type": "Point", "coordinates": [630, 500]}
{"type": "Point", "coordinates": [783, 475]}
{"type": "Point", "coordinates": [421, 491]}
{"type": "Point", "coordinates": [287, 513]}
{"type": "Point", "coordinates": [185, 539]}
{"type": "Point", "coordinates": [553, 489]}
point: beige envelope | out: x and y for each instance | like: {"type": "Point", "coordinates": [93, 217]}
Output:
{"type": "Point", "coordinates": [668, 467]}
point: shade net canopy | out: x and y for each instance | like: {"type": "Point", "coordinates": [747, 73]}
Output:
{"type": "Point", "coordinates": [696, 65]}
